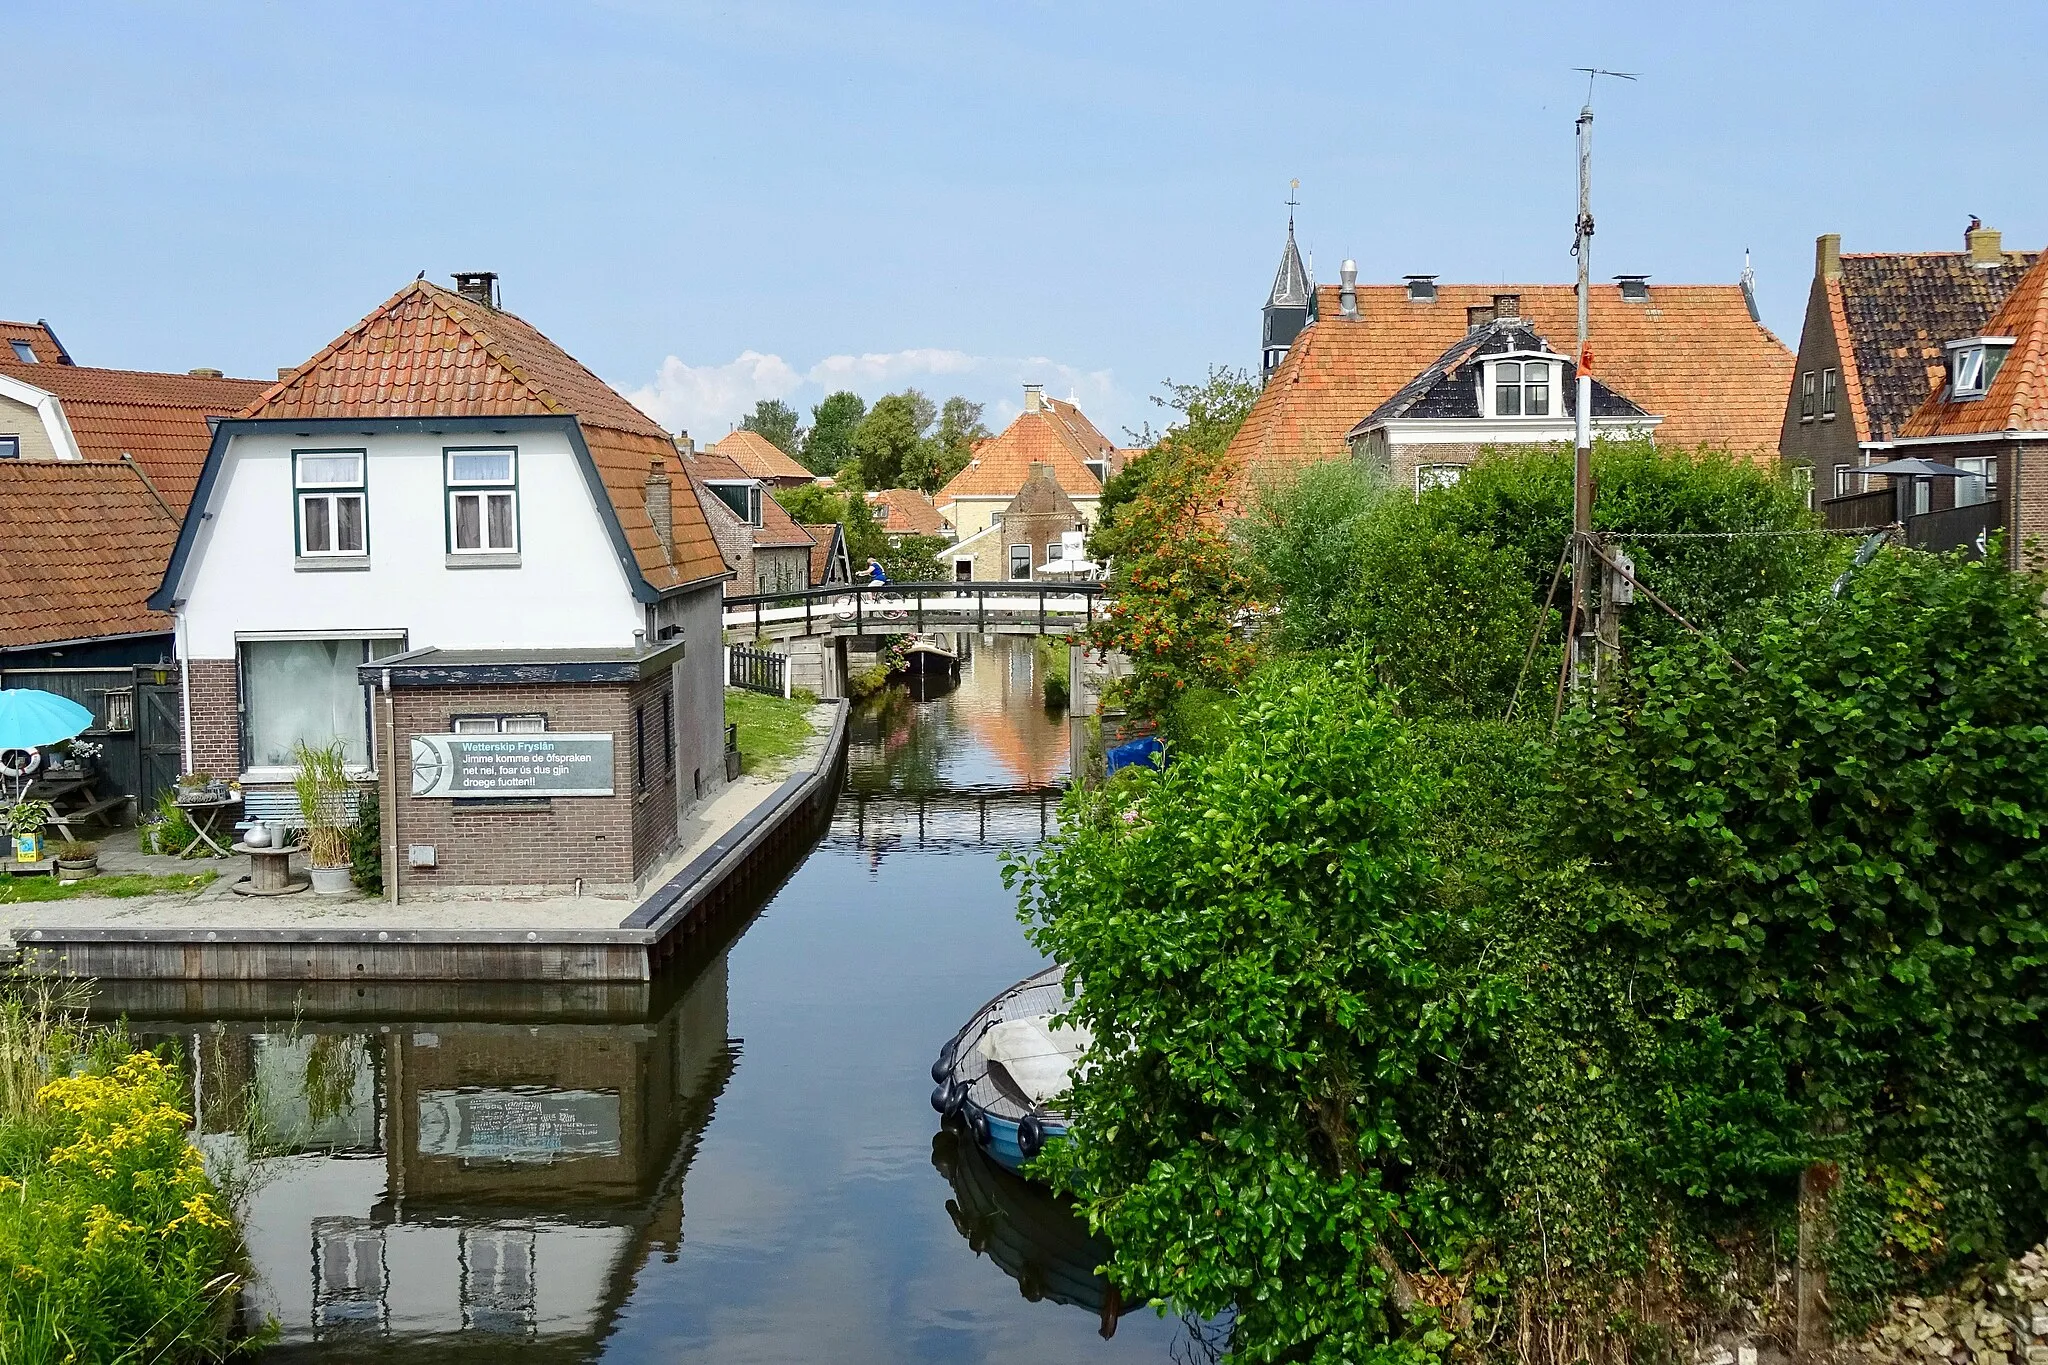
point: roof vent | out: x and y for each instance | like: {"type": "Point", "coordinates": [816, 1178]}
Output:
{"type": "Point", "coordinates": [478, 286]}
{"type": "Point", "coordinates": [1347, 293]}
{"type": "Point", "coordinates": [1421, 288]}
{"type": "Point", "coordinates": [1635, 288]}
{"type": "Point", "coordinates": [1477, 315]}
{"type": "Point", "coordinates": [1507, 305]}
{"type": "Point", "coordinates": [203, 373]}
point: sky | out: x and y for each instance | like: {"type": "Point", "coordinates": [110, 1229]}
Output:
{"type": "Point", "coordinates": [713, 204]}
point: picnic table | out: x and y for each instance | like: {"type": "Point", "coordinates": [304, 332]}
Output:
{"type": "Point", "coordinates": [74, 798]}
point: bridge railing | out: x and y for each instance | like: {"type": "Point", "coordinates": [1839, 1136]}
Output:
{"type": "Point", "coordinates": [893, 607]}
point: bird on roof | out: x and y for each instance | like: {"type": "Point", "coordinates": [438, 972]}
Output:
{"type": "Point", "coordinates": [1975, 223]}
{"type": "Point", "coordinates": [422, 275]}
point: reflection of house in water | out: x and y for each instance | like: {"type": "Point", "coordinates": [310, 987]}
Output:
{"type": "Point", "coordinates": [467, 1181]}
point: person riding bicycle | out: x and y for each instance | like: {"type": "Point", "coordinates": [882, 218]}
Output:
{"type": "Point", "coordinates": [876, 578]}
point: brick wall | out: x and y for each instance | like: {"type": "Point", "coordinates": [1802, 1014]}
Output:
{"type": "Point", "coordinates": [591, 837]}
{"type": "Point", "coordinates": [216, 717]}
{"type": "Point", "coordinates": [654, 806]}
{"type": "Point", "coordinates": [2023, 469]}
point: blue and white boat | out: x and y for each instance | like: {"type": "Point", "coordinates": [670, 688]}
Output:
{"type": "Point", "coordinates": [1001, 1076]}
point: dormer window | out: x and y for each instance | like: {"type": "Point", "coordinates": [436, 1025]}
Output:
{"type": "Point", "coordinates": [1421, 288]}
{"type": "Point", "coordinates": [1100, 469]}
{"type": "Point", "coordinates": [23, 352]}
{"type": "Point", "coordinates": [1521, 388]}
{"type": "Point", "coordinates": [1634, 288]}
{"type": "Point", "coordinates": [1973, 364]}
{"type": "Point", "coordinates": [743, 498]}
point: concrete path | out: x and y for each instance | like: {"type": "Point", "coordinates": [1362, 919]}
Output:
{"type": "Point", "coordinates": [216, 907]}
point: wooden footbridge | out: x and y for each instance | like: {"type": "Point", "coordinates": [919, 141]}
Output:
{"type": "Point", "coordinates": [1023, 607]}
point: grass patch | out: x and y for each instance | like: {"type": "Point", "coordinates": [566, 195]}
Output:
{"type": "Point", "coordinates": [19, 890]}
{"type": "Point", "coordinates": [772, 731]}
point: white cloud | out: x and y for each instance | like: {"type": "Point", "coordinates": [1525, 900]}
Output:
{"type": "Point", "coordinates": [709, 400]}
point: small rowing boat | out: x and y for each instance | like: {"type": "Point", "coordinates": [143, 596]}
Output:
{"type": "Point", "coordinates": [1001, 1076]}
{"type": "Point", "coordinates": [928, 654]}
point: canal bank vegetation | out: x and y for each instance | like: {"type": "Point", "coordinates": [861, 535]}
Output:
{"type": "Point", "coordinates": [123, 886]}
{"type": "Point", "coordinates": [1430, 1029]}
{"type": "Point", "coordinates": [772, 731]}
{"type": "Point", "coordinates": [114, 1245]}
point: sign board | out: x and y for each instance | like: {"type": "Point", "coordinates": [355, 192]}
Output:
{"type": "Point", "coordinates": [512, 765]}
{"type": "Point", "coordinates": [519, 1124]}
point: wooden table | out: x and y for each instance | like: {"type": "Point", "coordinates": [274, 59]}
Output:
{"type": "Point", "coordinates": [270, 871]}
{"type": "Point", "coordinates": [74, 799]}
{"type": "Point", "coordinates": [206, 817]}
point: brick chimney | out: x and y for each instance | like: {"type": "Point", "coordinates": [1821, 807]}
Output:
{"type": "Point", "coordinates": [478, 286]}
{"type": "Point", "coordinates": [206, 373]}
{"type": "Point", "coordinates": [686, 444]}
{"type": "Point", "coordinates": [1507, 306]}
{"type": "Point", "coordinates": [1477, 315]}
{"type": "Point", "coordinates": [1986, 247]}
{"type": "Point", "coordinates": [661, 506]}
{"type": "Point", "coordinates": [1034, 397]}
{"type": "Point", "coordinates": [1827, 256]}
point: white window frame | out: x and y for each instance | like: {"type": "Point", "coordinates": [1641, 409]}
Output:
{"type": "Point", "coordinates": [1807, 390]}
{"type": "Point", "coordinates": [1830, 388]}
{"type": "Point", "coordinates": [753, 489]}
{"type": "Point", "coordinates": [1983, 480]}
{"type": "Point", "coordinates": [331, 493]}
{"type": "Point", "coordinates": [498, 725]}
{"type": "Point", "coordinates": [1437, 475]}
{"type": "Point", "coordinates": [1494, 387]}
{"type": "Point", "coordinates": [376, 643]}
{"type": "Point", "coordinates": [483, 490]}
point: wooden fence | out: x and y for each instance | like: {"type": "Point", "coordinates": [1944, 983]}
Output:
{"type": "Point", "coordinates": [757, 670]}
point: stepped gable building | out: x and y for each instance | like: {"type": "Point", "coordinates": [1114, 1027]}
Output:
{"type": "Point", "coordinates": [1987, 414]}
{"type": "Point", "coordinates": [762, 544]}
{"type": "Point", "coordinates": [762, 459]}
{"type": "Point", "coordinates": [1877, 325]}
{"type": "Point", "coordinates": [1048, 432]}
{"type": "Point", "coordinates": [54, 409]}
{"type": "Point", "coordinates": [437, 531]}
{"type": "Point", "coordinates": [1693, 356]}
{"type": "Point", "coordinates": [1499, 384]}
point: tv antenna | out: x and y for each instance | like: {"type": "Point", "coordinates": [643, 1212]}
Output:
{"type": "Point", "coordinates": [1588, 645]}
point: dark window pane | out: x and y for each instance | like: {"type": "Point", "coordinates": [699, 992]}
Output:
{"type": "Point", "coordinates": [501, 521]}
{"type": "Point", "coordinates": [348, 517]}
{"type": "Point", "coordinates": [1536, 397]}
{"type": "Point", "coordinates": [1507, 400]}
{"type": "Point", "coordinates": [468, 522]}
{"type": "Point", "coordinates": [319, 536]}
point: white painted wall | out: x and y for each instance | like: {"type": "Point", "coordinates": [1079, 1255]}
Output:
{"type": "Point", "coordinates": [568, 591]}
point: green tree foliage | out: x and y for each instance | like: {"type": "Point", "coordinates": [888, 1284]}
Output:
{"type": "Point", "coordinates": [888, 438]}
{"type": "Point", "coordinates": [950, 446]}
{"type": "Point", "coordinates": [775, 422]}
{"type": "Point", "coordinates": [1208, 415]}
{"type": "Point", "coordinates": [811, 503]}
{"type": "Point", "coordinates": [828, 445]}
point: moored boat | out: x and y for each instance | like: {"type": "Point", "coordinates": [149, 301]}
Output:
{"type": "Point", "coordinates": [928, 654]}
{"type": "Point", "coordinates": [1000, 1077]}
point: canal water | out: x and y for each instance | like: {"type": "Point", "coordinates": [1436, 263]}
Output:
{"type": "Point", "coordinates": [736, 1164]}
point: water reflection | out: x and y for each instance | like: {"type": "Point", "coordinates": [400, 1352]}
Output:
{"type": "Point", "coordinates": [500, 1173]}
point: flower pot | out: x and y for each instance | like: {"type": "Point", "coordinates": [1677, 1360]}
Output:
{"type": "Point", "coordinates": [330, 881]}
{"type": "Point", "coordinates": [77, 869]}
{"type": "Point", "coordinates": [28, 848]}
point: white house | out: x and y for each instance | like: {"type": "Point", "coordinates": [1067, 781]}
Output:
{"type": "Point", "coordinates": [445, 493]}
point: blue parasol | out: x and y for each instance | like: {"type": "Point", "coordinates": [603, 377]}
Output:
{"type": "Point", "coordinates": [29, 719]}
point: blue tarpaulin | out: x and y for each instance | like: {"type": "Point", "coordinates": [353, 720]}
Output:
{"type": "Point", "coordinates": [1146, 752]}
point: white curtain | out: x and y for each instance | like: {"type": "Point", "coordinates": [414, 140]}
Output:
{"type": "Point", "coordinates": [303, 690]}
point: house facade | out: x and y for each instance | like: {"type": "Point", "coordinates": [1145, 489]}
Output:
{"type": "Point", "coordinates": [1030, 537]}
{"type": "Point", "coordinates": [1873, 343]}
{"type": "Point", "coordinates": [760, 458]}
{"type": "Point", "coordinates": [1048, 432]}
{"type": "Point", "coordinates": [762, 544]}
{"type": "Point", "coordinates": [439, 528]}
{"type": "Point", "coordinates": [1500, 384]}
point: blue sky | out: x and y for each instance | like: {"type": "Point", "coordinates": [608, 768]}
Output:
{"type": "Point", "coordinates": [709, 204]}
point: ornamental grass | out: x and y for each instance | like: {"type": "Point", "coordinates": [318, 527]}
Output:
{"type": "Point", "coordinates": [114, 1244]}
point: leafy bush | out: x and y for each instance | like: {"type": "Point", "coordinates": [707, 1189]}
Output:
{"type": "Point", "coordinates": [366, 845]}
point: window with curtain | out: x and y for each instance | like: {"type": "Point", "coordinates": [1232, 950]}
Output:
{"type": "Point", "coordinates": [295, 690]}
{"type": "Point", "coordinates": [333, 502]}
{"type": "Point", "coordinates": [483, 502]}
{"type": "Point", "coordinates": [1982, 483]}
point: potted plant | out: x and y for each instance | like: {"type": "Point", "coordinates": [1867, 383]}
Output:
{"type": "Point", "coordinates": [77, 859]}
{"type": "Point", "coordinates": [323, 789]}
{"type": "Point", "coordinates": [25, 821]}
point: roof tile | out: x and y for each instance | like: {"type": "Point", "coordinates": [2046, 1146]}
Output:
{"type": "Point", "coordinates": [2018, 397]}
{"type": "Point", "coordinates": [761, 457]}
{"type": "Point", "coordinates": [86, 545]}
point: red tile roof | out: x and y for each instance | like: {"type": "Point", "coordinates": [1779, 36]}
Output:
{"type": "Point", "coordinates": [86, 545]}
{"type": "Point", "coordinates": [430, 352]}
{"type": "Point", "coordinates": [160, 419]}
{"type": "Point", "coordinates": [762, 458]}
{"type": "Point", "coordinates": [778, 528]}
{"type": "Point", "coordinates": [826, 537]}
{"type": "Point", "coordinates": [906, 511]}
{"type": "Point", "coordinates": [42, 342]}
{"type": "Point", "coordinates": [1893, 311]}
{"type": "Point", "coordinates": [1057, 435]}
{"type": "Point", "coordinates": [2018, 397]}
{"type": "Point", "coordinates": [1690, 354]}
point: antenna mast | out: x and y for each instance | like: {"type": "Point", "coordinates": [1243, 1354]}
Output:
{"type": "Point", "coordinates": [1586, 643]}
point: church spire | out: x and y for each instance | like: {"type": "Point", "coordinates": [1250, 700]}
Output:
{"type": "Point", "coordinates": [1289, 304]}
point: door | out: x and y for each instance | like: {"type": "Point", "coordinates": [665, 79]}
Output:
{"type": "Point", "coordinates": [159, 740]}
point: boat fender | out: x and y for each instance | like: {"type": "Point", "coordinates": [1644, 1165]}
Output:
{"type": "Point", "coordinates": [940, 1092]}
{"type": "Point", "coordinates": [947, 1054]}
{"type": "Point", "coordinates": [977, 1123]}
{"type": "Point", "coordinates": [956, 1097]}
{"type": "Point", "coordinates": [1030, 1136]}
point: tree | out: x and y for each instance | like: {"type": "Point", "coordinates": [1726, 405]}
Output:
{"type": "Point", "coordinates": [888, 437]}
{"type": "Point", "coordinates": [775, 422]}
{"type": "Point", "coordinates": [828, 446]}
{"type": "Point", "coordinates": [810, 503]}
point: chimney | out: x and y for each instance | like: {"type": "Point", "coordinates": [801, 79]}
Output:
{"type": "Point", "coordinates": [661, 506]}
{"type": "Point", "coordinates": [203, 373]}
{"type": "Point", "coordinates": [1034, 397]}
{"type": "Point", "coordinates": [286, 371]}
{"type": "Point", "coordinates": [1507, 306]}
{"type": "Point", "coordinates": [1477, 315]}
{"type": "Point", "coordinates": [478, 286]}
{"type": "Point", "coordinates": [1347, 293]}
{"type": "Point", "coordinates": [1827, 256]}
{"type": "Point", "coordinates": [686, 444]}
{"type": "Point", "coordinates": [1986, 247]}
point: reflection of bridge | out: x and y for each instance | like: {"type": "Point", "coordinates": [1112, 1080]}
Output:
{"type": "Point", "coordinates": [1006, 608]}
{"type": "Point", "coordinates": [942, 816]}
